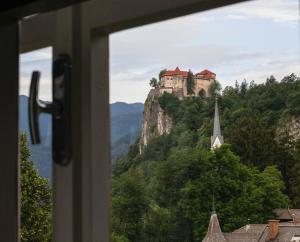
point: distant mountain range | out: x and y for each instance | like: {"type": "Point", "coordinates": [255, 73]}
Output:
{"type": "Point", "coordinates": [125, 128]}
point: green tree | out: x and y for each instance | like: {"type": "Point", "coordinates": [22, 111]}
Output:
{"type": "Point", "coordinates": [292, 173]}
{"type": "Point", "coordinates": [202, 93]}
{"type": "Point", "coordinates": [183, 164]}
{"type": "Point", "coordinates": [293, 107]}
{"type": "Point", "coordinates": [253, 141]}
{"type": "Point", "coordinates": [153, 82]}
{"type": "Point", "coordinates": [270, 81]}
{"type": "Point", "coordinates": [158, 148]}
{"type": "Point", "coordinates": [214, 88]}
{"type": "Point", "coordinates": [159, 225]}
{"type": "Point", "coordinates": [243, 88]}
{"type": "Point", "coordinates": [239, 193]}
{"type": "Point", "coordinates": [36, 200]}
{"type": "Point", "coordinates": [119, 238]}
{"type": "Point", "coordinates": [169, 103]}
{"type": "Point", "coordinates": [129, 204]}
{"type": "Point", "coordinates": [189, 113]}
{"type": "Point", "coordinates": [161, 73]}
{"type": "Point", "coordinates": [190, 83]}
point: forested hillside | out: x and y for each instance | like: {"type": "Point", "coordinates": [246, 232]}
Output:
{"type": "Point", "coordinates": [167, 192]}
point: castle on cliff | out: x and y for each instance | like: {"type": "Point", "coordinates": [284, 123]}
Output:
{"type": "Point", "coordinates": [157, 122]}
{"type": "Point", "coordinates": [175, 81]}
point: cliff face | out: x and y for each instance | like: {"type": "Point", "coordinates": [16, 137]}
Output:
{"type": "Point", "coordinates": [291, 128]}
{"type": "Point", "coordinates": [155, 121]}
{"type": "Point", "coordinates": [294, 128]}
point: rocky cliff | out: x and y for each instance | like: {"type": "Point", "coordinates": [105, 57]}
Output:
{"type": "Point", "coordinates": [289, 127]}
{"type": "Point", "coordinates": [155, 121]}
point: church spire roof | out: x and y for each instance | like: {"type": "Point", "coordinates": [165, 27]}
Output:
{"type": "Point", "coordinates": [216, 138]}
{"type": "Point", "coordinates": [214, 232]}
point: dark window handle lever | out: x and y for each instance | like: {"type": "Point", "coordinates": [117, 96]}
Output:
{"type": "Point", "coordinates": [37, 106]}
{"type": "Point", "coordinates": [59, 109]}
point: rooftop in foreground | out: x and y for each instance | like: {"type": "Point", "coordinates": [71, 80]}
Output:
{"type": "Point", "coordinates": [275, 230]}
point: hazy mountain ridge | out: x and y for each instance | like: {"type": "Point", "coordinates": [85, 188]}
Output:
{"type": "Point", "coordinates": [125, 128]}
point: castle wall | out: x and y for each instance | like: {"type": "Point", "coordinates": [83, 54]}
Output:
{"type": "Point", "coordinates": [202, 84]}
{"type": "Point", "coordinates": [184, 88]}
{"type": "Point", "coordinates": [172, 81]}
{"type": "Point", "coordinates": [178, 82]}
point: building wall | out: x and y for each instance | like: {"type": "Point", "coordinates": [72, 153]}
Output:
{"type": "Point", "coordinates": [172, 81]}
{"type": "Point", "coordinates": [178, 82]}
{"type": "Point", "coordinates": [202, 84]}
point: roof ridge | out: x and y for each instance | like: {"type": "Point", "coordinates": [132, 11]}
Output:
{"type": "Point", "coordinates": [263, 232]}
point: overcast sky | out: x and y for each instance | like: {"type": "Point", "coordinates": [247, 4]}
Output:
{"type": "Point", "coordinates": [251, 40]}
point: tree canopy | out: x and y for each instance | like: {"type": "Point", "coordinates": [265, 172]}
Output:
{"type": "Point", "coordinates": [36, 200]}
{"type": "Point", "coordinates": [214, 88]}
{"type": "Point", "coordinates": [161, 73]}
{"type": "Point", "coordinates": [153, 82]}
{"type": "Point", "coordinates": [190, 83]}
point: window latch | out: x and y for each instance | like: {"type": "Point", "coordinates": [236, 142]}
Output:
{"type": "Point", "coordinates": [59, 108]}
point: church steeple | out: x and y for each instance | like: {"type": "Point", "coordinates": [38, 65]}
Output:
{"type": "Point", "coordinates": [216, 138]}
{"type": "Point", "coordinates": [214, 232]}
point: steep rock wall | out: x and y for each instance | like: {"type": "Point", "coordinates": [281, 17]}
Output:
{"type": "Point", "coordinates": [155, 121]}
{"type": "Point", "coordinates": [294, 128]}
{"type": "Point", "coordinates": [290, 128]}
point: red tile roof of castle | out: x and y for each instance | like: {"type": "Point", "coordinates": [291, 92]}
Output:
{"type": "Point", "coordinates": [177, 71]}
{"type": "Point", "coordinates": [205, 73]}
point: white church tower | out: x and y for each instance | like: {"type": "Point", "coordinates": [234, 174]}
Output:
{"type": "Point", "coordinates": [217, 138]}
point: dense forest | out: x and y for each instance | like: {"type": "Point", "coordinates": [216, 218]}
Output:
{"type": "Point", "coordinates": [167, 192]}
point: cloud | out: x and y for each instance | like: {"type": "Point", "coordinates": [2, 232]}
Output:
{"type": "Point", "coordinates": [206, 19]}
{"type": "Point", "coordinates": [235, 16]}
{"type": "Point", "coordinates": [259, 73]}
{"type": "Point", "coordinates": [39, 60]}
{"type": "Point", "coordinates": [259, 67]}
{"type": "Point", "coordinates": [275, 10]}
{"type": "Point", "coordinates": [45, 88]}
{"type": "Point", "coordinates": [128, 91]}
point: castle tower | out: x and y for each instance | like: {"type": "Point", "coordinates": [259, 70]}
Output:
{"type": "Point", "coordinates": [217, 138]}
{"type": "Point", "coordinates": [214, 232]}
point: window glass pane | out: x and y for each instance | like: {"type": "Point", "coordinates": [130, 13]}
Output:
{"type": "Point", "coordinates": [36, 160]}
{"type": "Point", "coordinates": [224, 147]}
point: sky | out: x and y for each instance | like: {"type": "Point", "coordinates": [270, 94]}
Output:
{"type": "Point", "coordinates": [250, 40]}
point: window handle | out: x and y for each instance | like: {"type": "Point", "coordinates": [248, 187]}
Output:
{"type": "Point", "coordinates": [59, 108]}
{"type": "Point", "coordinates": [37, 106]}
